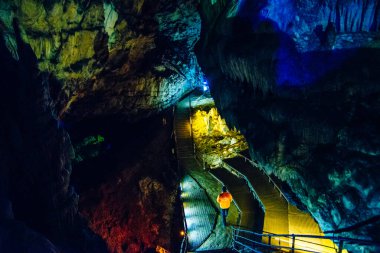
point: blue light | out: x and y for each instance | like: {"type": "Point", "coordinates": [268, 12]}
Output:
{"type": "Point", "coordinates": [205, 87]}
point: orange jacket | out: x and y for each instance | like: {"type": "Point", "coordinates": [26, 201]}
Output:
{"type": "Point", "coordinates": [224, 199]}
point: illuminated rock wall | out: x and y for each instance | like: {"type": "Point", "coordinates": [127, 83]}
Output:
{"type": "Point", "coordinates": [305, 93]}
{"type": "Point", "coordinates": [130, 57]}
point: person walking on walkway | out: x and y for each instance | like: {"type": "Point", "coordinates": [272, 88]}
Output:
{"type": "Point", "coordinates": [224, 199]}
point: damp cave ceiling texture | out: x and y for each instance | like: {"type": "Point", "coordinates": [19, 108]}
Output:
{"type": "Point", "coordinates": [105, 57]}
{"type": "Point", "coordinates": [301, 80]}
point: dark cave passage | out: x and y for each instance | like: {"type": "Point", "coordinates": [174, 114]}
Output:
{"type": "Point", "coordinates": [131, 197]}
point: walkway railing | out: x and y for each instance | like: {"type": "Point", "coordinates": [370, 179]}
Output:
{"type": "Point", "coordinates": [185, 240]}
{"type": "Point", "coordinates": [201, 159]}
{"type": "Point", "coordinates": [266, 174]}
{"type": "Point", "coordinates": [241, 175]}
{"type": "Point", "coordinates": [249, 240]}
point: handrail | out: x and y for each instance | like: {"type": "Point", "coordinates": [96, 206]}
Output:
{"type": "Point", "coordinates": [266, 174]}
{"type": "Point", "coordinates": [238, 154]}
{"type": "Point", "coordinates": [238, 173]}
{"type": "Point", "coordinates": [294, 237]}
{"type": "Point", "coordinates": [276, 246]}
{"type": "Point", "coordinates": [310, 236]}
{"type": "Point", "coordinates": [184, 242]}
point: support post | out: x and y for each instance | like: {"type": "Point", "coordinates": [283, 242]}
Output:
{"type": "Point", "coordinates": [340, 249]}
{"type": "Point", "coordinates": [293, 242]}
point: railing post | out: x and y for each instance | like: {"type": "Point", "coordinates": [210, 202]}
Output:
{"type": "Point", "coordinates": [233, 237]}
{"type": "Point", "coordinates": [269, 242]}
{"type": "Point", "coordinates": [293, 241]}
{"type": "Point", "coordinates": [340, 249]}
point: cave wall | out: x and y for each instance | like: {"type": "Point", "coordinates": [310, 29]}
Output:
{"type": "Point", "coordinates": [300, 79]}
{"type": "Point", "coordinates": [128, 57]}
{"type": "Point", "coordinates": [38, 207]}
{"type": "Point", "coordinates": [131, 197]}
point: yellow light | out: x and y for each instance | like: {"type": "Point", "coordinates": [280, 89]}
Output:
{"type": "Point", "coordinates": [182, 233]}
{"type": "Point", "coordinates": [160, 249]}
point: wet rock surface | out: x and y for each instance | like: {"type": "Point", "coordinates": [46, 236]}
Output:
{"type": "Point", "coordinates": [309, 112]}
{"type": "Point", "coordinates": [130, 57]}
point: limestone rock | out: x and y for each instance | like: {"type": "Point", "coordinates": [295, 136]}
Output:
{"type": "Point", "coordinates": [309, 107]}
{"type": "Point", "coordinates": [131, 58]}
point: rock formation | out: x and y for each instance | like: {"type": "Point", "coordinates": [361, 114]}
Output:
{"type": "Point", "coordinates": [39, 209]}
{"type": "Point", "coordinates": [300, 80]}
{"type": "Point", "coordinates": [119, 57]}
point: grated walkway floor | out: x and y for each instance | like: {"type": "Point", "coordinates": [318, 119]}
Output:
{"type": "Point", "coordinates": [200, 215]}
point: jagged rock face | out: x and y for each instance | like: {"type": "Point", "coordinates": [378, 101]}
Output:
{"type": "Point", "coordinates": [132, 207]}
{"type": "Point", "coordinates": [38, 207]}
{"type": "Point", "coordinates": [301, 80]}
{"type": "Point", "coordinates": [129, 57]}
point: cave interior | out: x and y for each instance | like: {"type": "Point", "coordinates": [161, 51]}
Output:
{"type": "Point", "coordinates": [122, 119]}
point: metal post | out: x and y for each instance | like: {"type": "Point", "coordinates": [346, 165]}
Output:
{"type": "Point", "coordinates": [269, 242]}
{"type": "Point", "coordinates": [233, 237]}
{"type": "Point", "coordinates": [340, 245]}
{"type": "Point", "coordinates": [293, 240]}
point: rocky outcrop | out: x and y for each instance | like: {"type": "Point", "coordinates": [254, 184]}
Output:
{"type": "Point", "coordinates": [38, 207]}
{"type": "Point", "coordinates": [132, 206]}
{"type": "Point", "coordinates": [128, 57]}
{"type": "Point", "coordinates": [300, 80]}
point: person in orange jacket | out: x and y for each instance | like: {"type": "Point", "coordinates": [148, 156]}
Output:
{"type": "Point", "coordinates": [224, 199]}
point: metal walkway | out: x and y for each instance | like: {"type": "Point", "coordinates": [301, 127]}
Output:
{"type": "Point", "coordinates": [252, 215]}
{"type": "Point", "coordinates": [275, 206]}
{"type": "Point", "coordinates": [280, 216]}
{"type": "Point", "coordinates": [200, 214]}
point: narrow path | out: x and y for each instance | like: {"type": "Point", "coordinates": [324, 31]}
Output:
{"type": "Point", "coordinates": [199, 214]}
{"type": "Point", "coordinates": [219, 237]}
{"type": "Point", "coordinates": [280, 217]}
{"type": "Point", "coordinates": [252, 215]}
{"type": "Point", "coordinates": [205, 231]}
{"type": "Point", "coordinates": [276, 207]}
